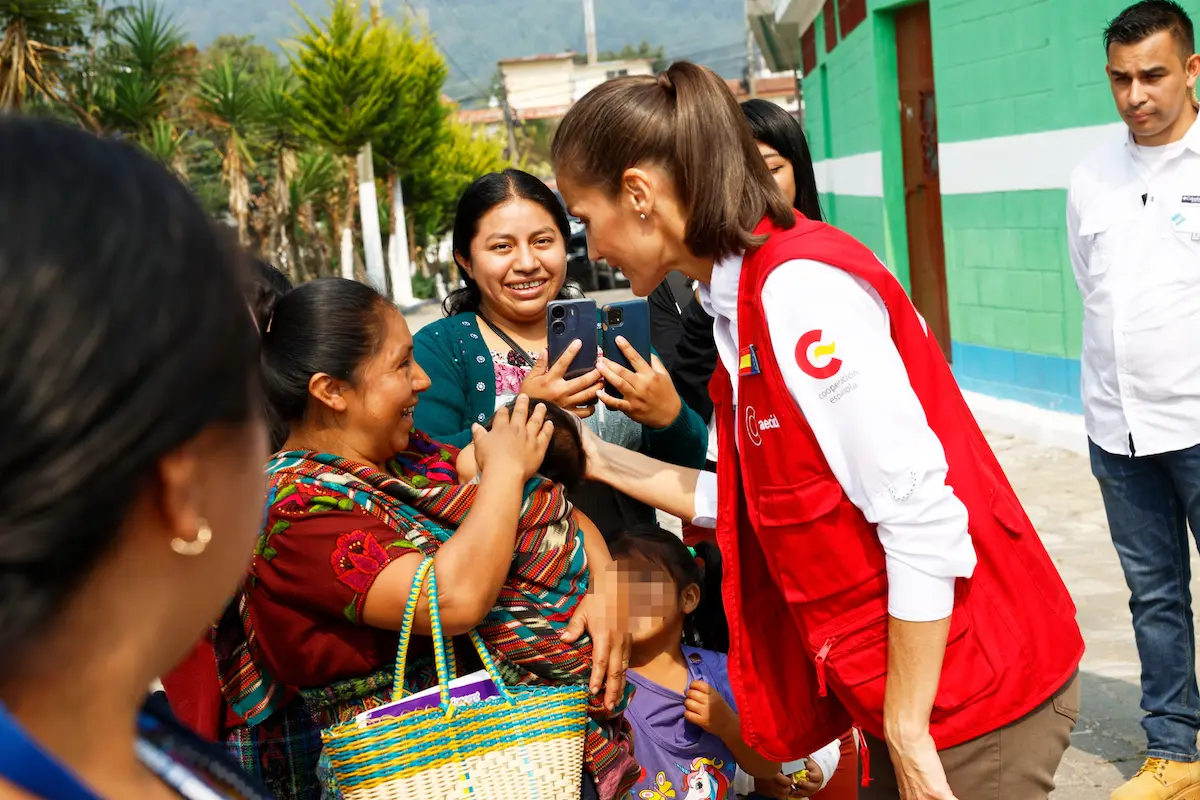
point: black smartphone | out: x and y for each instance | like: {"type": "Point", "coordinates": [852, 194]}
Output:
{"type": "Point", "coordinates": [631, 319]}
{"type": "Point", "coordinates": [566, 321]}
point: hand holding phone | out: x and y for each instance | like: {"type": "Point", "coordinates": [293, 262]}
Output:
{"type": "Point", "coordinates": [636, 381]}
{"type": "Point", "coordinates": [566, 321]}
{"type": "Point", "coordinates": [629, 319]}
{"type": "Point", "coordinates": [565, 373]}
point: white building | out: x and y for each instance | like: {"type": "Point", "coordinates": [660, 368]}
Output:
{"type": "Point", "coordinates": [545, 86]}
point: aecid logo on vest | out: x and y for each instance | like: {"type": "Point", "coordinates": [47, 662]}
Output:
{"type": "Point", "coordinates": [815, 358]}
{"type": "Point", "coordinates": [754, 427]}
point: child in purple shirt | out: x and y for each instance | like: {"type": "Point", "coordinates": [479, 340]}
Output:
{"type": "Point", "coordinates": [687, 735]}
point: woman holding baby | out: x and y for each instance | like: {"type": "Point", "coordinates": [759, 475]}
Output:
{"type": "Point", "coordinates": [356, 498]}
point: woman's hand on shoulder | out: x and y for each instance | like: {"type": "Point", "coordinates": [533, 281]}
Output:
{"type": "Point", "coordinates": [517, 442]}
{"type": "Point", "coordinates": [601, 615]}
{"type": "Point", "coordinates": [649, 395]}
{"type": "Point", "coordinates": [549, 383]}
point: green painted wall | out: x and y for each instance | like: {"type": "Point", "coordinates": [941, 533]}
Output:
{"type": "Point", "coordinates": [1001, 68]}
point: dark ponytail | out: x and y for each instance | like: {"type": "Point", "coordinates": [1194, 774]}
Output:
{"type": "Point", "coordinates": [706, 626]}
{"type": "Point", "coordinates": [330, 325]}
{"type": "Point", "coordinates": [267, 286]}
{"type": "Point", "coordinates": [687, 122]}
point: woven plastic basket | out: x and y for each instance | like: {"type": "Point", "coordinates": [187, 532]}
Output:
{"type": "Point", "coordinates": [527, 743]}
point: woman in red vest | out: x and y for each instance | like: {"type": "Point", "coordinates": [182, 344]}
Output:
{"type": "Point", "coordinates": [880, 568]}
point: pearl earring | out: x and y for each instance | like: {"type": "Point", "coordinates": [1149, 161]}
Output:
{"type": "Point", "coordinates": [643, 215]}
{"type": "Point", "coordinates": [195, 547]}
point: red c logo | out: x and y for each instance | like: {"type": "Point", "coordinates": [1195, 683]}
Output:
{"type": "Point", "coordinates": [809, 363]}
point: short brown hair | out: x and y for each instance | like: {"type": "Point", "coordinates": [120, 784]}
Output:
{"type": "Point", "coordinates": [687, 122]}
{"type": "Point", "coordinates": [1142, 20]}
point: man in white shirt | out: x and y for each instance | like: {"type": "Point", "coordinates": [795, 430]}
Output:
{"type": "Point", "coordinates": [1133, 227]}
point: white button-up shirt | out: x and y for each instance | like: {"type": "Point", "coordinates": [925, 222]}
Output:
{"type": "Point", "coordinates": [1133, 232]}
{"type": "Point", "coordinates": [876, 437]}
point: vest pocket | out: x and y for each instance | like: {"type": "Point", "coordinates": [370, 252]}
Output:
{"type": "Point", "coordinates": [851, 659]}
{"type": "Point", "coordinates": [1030, 553]}
{"type": "Point", "coordinates": [967, 672]}
{"type": "Point", "coordinates": [800, 503]}
{"type": "Point", "coordinates": [816, 543]}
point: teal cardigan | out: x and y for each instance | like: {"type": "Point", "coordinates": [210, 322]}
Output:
{"type": "Point", "coordinates": [463, 391]}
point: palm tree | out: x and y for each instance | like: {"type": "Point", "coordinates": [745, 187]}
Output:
{"type": "Point", "coordinates": [344, 87]}
{"type": "Point", "coordinates": [148, 66]}
{"type": "Point", "coordinates": [314, 191]}
{"type": "Point", "coordinates": [91, 65]}
{"type": "Point", "coordinates": [166, 143]}
{"type": "Point", "coordinates": [278, 135]}
{"type": "Point", "coordinates": [37, 37]}
{"type": "Point", "coordinates": [229, 102]}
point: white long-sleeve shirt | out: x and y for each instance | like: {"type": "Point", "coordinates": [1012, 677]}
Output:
{"type": "Point", "coordinates": [876, 437]}
{"type": "Point", "coordinates": [1133, 234]}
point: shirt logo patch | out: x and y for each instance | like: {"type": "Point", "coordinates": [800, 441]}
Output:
{"type": "Point", "coordinates": [748, 362]}
{"type": "Point", "coordinates": [1190, 198]}
{"type": "Point", "coordinates": [755, 427]}
{"type": "Point", "coordinates": [815, 358]}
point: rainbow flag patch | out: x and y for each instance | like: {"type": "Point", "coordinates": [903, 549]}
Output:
{"type": "Point", "coordinates": [748, 362]}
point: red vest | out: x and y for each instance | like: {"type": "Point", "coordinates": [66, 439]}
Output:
{"type": "Point", "coordinates": [806, 586]}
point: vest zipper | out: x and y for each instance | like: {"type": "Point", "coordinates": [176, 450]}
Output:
{"type": "Point", "coordinates": [819, 663]}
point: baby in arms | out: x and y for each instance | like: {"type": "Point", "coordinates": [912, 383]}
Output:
{"type": "Point", "coordinates": [565, 462]}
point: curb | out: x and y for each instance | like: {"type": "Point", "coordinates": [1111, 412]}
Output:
{"type": "Point", "coordinates": [1056, 429]}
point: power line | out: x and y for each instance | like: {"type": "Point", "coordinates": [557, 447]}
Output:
{"type": "Point", "coordinates": [449, 57]}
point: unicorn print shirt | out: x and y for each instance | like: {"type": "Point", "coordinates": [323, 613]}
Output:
{"type": "Point", "coordinates": [681, 761]}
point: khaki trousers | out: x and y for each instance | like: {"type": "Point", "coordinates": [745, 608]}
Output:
{"type": "Point", "coordinates": [1016, 762]}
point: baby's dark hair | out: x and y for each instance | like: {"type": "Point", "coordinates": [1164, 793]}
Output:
{"type": "Point", "coordinates": [706, 626]}
{"type": "Point", "coordinates": [564, 462]}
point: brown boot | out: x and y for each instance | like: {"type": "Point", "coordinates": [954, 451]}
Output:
{"type": "Point", "coordinates": [1160, 779]}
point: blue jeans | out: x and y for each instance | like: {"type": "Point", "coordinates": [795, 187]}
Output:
{"type": "Point", "coordinates": [1150, 500]}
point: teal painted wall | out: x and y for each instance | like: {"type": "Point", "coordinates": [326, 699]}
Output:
{"type": "Point", "coordinates": [1001, 68]}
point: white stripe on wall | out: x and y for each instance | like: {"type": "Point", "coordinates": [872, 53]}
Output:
{"type": "Point", "coordinates": [1026, 162]}
{"type": "Point", "coordinates": [860, 175]}
{"type": "Point", "coordinates": [1019, 163]}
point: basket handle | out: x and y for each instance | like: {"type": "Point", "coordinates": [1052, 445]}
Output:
{"type": "Point", "coordinates": [426, 572]}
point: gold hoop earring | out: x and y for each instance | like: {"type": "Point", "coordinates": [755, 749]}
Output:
{"type": "Point", "coordinates": [196, 546]}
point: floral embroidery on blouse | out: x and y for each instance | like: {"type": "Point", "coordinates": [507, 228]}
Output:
{"type": "Point", "coordinates": [510, 372]}
{"type": "Point", "coordinates": [357, 559]}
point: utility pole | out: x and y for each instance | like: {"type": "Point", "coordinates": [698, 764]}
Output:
{"type": "Point", "coordinates": [589, 29]}
{"type": "Point", "coordinates": [508, 119]}
{"type": "Point", "coordinates": [749, 51]}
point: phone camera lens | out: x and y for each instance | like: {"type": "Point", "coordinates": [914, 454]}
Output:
{"type": "Point", "coordinates": [558, 312]}
{"type": "Point", "coordinates": [559, 327]}
{"type": "Point", "coordinates": [615, 316]}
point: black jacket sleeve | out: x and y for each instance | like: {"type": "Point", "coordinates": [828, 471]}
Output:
{"type": "Point", "coordinates": [696, 359]}
{"type": "Point", "coordinates": [666, 328]}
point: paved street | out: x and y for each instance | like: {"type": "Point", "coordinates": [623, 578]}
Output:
{"type": "Point", "coordinates": [1062, 499]}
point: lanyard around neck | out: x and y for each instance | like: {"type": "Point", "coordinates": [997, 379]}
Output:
{"type": "Point", "coordinates": [26, 766]}
{"type": "Point", "coordinates": [520, 352]}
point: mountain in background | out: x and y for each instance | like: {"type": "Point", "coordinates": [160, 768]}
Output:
{"type": "Point", "coordinates": [475, 34]}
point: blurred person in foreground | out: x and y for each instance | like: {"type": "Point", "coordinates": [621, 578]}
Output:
{"type": "Point", "coordinates": [132, 443]}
